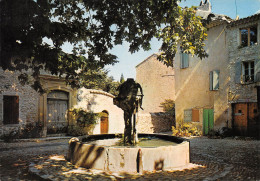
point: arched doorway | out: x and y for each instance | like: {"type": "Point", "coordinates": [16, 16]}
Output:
{"type": "Point", "coordinates": [57, 106]}
{"type": "Point", "coordinates": [104, 122]}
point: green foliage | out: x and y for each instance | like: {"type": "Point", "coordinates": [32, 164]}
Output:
{"type": "Point", "coordinates": [168, 106]}
{"type": "Point", "coordinates": [98, 79]}
{"type": "Point", "coordinates": [85, 118]}
{"type": "Point", "coordinates": [186, 130]}
{"type": "Point", "coordinates": [75, 130]}
{"type": "Point", "coordinates": [93, 27]}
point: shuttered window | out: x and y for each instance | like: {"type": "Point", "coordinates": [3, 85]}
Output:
{"type": "Point", "coordinates": [184, 59]}
{"type": "Point", "coordinates": [247, 72]}
{"type": "Point", "coordinates": [214, 80]}
{"type": "Point", "coordinates": [195, 115]}
{"type": "Point", "coordinates": [11, 109]}
{"type": "Point", "coordinates": [257, 70]}
{"type": "Point", "coordinates": [188, 115]}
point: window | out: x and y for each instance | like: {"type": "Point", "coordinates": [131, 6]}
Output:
{"type": "Point", "coordinates": [11, 109]}
{"type": "Point", "coordinates": [184, 59]}
{"type": "Point", "coordinates": [191, 115]}
{"type": "Point", "coordinates": [248, 71]}
{"type": "Point", "coordinates": [214, 80]}
{"type": "Point", "coordinates": [195, 115]}
{"type": "Point", "coordinates": [248, 36]}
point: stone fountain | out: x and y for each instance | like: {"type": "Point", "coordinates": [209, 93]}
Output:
{"type": "Point", "coordinates": [106, 152]}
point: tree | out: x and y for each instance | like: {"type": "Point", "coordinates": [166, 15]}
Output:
{"type": "Point", "coordinates": [98, 79]}
{"type": "Point", "coordinates": [93, 27]}
{"type": "Point", "coordinates": [122, 79]}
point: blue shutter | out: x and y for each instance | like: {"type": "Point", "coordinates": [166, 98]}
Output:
{"type": "Point", "coordinates": [257, 70]}
{"type": "Point", "coordinates": [181, 60]}
{"type": "Point", "coordinates": [210, 80]}
{"type": "Point", "coordinates": [184, 58]}
{"type": "Point", "coordinates": [238, 72]}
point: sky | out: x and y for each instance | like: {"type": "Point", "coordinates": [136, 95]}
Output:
{"type": "Point", "coordinates": [128, 61]}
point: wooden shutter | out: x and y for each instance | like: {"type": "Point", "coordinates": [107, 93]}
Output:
{"type": "Point", "coordinates": [11, 109]}
{"type": "Point", "coordinates": [181, 61]}
{"type": "Point", "coordinates": [184, 60]}
{"type": "Point", "coordinates": [257, 70]}
{"type": "Point", "coordinates": [210, 80]}
{"type": "Point", "coordinates": [195, 115]}
{"type": "Point", "coordinates": [238, 72]}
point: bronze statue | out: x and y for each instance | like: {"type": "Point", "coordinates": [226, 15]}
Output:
{"type": "Point", "coordinates": [129, 101]}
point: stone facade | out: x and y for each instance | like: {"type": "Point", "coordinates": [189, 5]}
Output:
{"type": "Point", "coordinates": [28, 101]}
{"type": "Point", "coordinates": [154, 122]}
{"type": "Point", "coordinates": [240, 91]}
{"type": "Point", "coordinates": [36, 108]}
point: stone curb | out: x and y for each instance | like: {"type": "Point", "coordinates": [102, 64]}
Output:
{"type": "Point", "coordinates": [40, 139]}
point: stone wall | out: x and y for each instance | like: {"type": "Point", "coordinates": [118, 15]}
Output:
{"type": "Point", "coordinates": [28, 101]}
{"type": "Point", "coordinates": [242, 92]}
{"type": "Point", "coordinates": [154, 122]}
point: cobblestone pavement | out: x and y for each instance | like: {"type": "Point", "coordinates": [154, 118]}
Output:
{"type": "Point", "coordinates": [222, 159]}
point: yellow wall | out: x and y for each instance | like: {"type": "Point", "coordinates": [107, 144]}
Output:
{"type": "Point", "coordinates": [192, 83]}
{"type": "Point", "coordinates": [157, 81]}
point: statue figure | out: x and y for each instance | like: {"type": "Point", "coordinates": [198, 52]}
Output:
{"type": "Point", "coordinates": [129, 99]}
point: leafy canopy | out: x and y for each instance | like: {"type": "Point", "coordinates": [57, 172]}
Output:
{"type": "Point", "coordinates": [93, 27]}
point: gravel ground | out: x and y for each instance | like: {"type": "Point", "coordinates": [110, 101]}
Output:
{"type": "Point", "coordinates": [222, 159]}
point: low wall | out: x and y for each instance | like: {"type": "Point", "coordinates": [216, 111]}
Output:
{"type": "Point", "coordinates": [154, 122]}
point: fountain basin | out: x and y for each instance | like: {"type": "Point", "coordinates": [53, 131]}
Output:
{"type": "Point", "coordinates": [130, 159]}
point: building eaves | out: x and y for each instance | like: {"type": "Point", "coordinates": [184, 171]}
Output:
{"type": "Point", "coordinates": [154, 54]}
{"type": "Point", "coordinates": [244, 20]}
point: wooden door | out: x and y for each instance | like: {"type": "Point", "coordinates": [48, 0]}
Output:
{"type": "Point", "coordinates": [104, 123]}
{"type": "Point", "coordinates": [57, 106]}
{"type": "Point", "coordinates": [240, 118]}
{"type": "Point", "coordinates": [253, 122]}
{"type": "Point", "coordinates": [208, 120]}
{"type": "Point", "coordinates": [57, 110]}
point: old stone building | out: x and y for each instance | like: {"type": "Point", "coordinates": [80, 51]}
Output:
{"type": "Point", "coordinates": [22, 105]}
{"type": "Point", "coordinates": [243, 39]}
{"type": "Point", "coordinates": [221, 90]}
{"type": "Point", "coordinates": [157, 81]}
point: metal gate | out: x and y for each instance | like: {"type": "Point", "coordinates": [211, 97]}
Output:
{"type": "Point", "coordinates": [208, 120]}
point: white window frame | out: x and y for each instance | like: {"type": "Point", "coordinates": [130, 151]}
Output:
{"type": "Point", "coordinates": [250, 74]}
{"type": "Point", "coordinates": [214, 80]}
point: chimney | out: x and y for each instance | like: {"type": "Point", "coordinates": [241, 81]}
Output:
{"type": "Point", "coordinates": [205, 6]}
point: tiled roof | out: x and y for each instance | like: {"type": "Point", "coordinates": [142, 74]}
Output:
{"type": "Point", "coordinates": [245, 20]}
